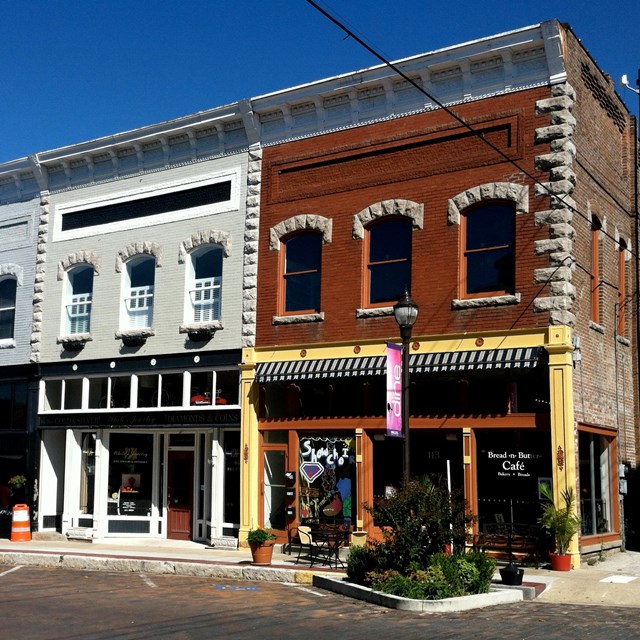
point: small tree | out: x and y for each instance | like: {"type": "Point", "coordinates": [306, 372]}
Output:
{"type": "Point", "coordinates": [563, 522]}
{"type": "Point", "coordinates": [418, 521]}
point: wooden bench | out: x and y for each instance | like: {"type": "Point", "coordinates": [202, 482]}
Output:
{"type": "Point", "coordinates": [524, 543]}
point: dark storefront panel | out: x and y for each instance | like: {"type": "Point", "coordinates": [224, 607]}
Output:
{"type": "Point", "coordinates": [511, 465]}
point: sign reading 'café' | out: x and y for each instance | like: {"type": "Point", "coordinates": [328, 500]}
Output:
{"type": "Point", "coordinates": [513, 464]}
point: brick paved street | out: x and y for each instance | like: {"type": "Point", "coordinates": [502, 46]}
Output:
{"type": "Point", "coordinates": [40, 603]}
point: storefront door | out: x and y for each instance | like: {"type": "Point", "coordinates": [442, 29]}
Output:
{"type": "Point", "coordinates": [179, 495]}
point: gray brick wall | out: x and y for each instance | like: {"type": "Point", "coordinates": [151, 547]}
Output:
{"type": "Point", "coordinates": [18, 225]}
{"type": "Point", "coordinates": [166, 238]}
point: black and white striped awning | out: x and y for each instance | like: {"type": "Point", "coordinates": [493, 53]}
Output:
{"type": "Point", "coordinates": [314, 369]}
{"type": "Point", "coordinates": [377, 365]}
{"type": "Point", "coordinates": [476, 360]}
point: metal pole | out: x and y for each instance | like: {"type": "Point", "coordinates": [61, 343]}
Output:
{"type": "Point", "coordinates": [406, 464]}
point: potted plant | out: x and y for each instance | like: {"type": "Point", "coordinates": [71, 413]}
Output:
{"type": "Point", "coordinates": [261, 543]}
{"type": "Point", "coordinates": [17, 482]}
{"type": "Point", "coordinates": [562, 522]}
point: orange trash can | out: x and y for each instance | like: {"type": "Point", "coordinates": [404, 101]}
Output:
{"type": "Point", "coordinates": [20, 525]}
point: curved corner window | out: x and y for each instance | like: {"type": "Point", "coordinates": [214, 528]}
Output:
{"type": "Point", "coordinates": [138, 292]}
{"type": "Point", "coordinates": [78, 300]}
{"type": "Point", "coordinates": [205, 285]}
{"type": "Point", "coordinates": [301, 273]}
{"type": "Point", "coordinates": [7, 307]}
{"type": "Point", "coordinates": [489, 256]}
{"type": "Point", "coordinates": [388, 260]}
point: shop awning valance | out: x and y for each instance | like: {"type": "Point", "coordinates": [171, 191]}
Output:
{"type": "Point", "coordinates": [476, 360]}
{"type": "Point", "coordinates": [377, 365]}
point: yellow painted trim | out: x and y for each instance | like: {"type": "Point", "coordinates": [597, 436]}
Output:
{"type": "Point", "coordinates": [249, 447]}
{"type": "Point", "coordinates": [425, 344]}
{"type": "Point", "coordinates": [563, 428]}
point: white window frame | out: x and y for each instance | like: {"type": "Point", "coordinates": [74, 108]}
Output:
{"type": "Point", "coordinates": [137, 302]}
{"type": "Point", "coordinates": [203, 302]}
{"type": "Point", "coordinates": [11, 338]}
{"type": "Point", "coordinates": [77, 308]}
{"type": "Point", "coordinates": [140, 193]}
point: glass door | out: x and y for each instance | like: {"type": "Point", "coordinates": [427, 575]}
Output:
{"type": "Point", "coordinates": [274, 466]}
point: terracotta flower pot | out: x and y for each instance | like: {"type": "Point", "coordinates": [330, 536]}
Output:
{"type": "Point", "coordinates": [560, 563]}
{"type": "Point", "coordinates": [261, 554]}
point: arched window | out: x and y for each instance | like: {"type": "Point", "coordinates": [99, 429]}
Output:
{"type": "Point", "coordinates": [7, 307]}
{"type": "Point", "coordinates": [204, 285]}
{"type": "Point", "coordinates": [78, 299]}
{"type": "Point", "coordinates": [488, 233]}
{"type": "Point", "coordinates": [388, 247]}
{"type": "Point", "coordinates": [302, 258]}
{"type": "Point", "coordinates": [138, 290]}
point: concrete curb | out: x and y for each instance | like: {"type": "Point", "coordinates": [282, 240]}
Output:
{"type": "Point", "coordinates": [158, 567]}
{"type": "Point", "coordinates": [464, 603]}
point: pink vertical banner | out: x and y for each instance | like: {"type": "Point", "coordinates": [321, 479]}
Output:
{"type": "Point", "coordinates": [394, 390]}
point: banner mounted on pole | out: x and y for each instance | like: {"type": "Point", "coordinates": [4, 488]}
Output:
{"type": "Point", "coordinates": [394, 390]}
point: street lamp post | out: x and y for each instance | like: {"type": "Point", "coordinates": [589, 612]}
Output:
{"type": "Point", "coordinates": [405, 313]}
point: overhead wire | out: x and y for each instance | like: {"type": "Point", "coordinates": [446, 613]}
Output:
{"type": "Point", "coordinates": [459, 119]}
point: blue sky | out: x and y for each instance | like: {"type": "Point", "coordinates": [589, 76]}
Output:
{"type": "Point", "coordinates": [75, 70]}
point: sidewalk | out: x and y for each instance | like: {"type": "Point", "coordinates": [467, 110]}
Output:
{"type": "Point", "coordinates": [613, 581]}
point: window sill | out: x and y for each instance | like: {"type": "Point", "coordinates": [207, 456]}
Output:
{"type": "Point", "coordinates": [74, 342]}
{"type": "Point", "coordinates": [374, 312]}
{"type": "Point", "coordinates": [596, 327]}
{"type": "Point", "coordinates": [298, 319]}
{"type": "Point", "coordinates": [7, 343]}
{"type": "Point", "coordinates": [134, 337]}
{"type": "Point", "coordinates": [201, 331]}
{"type": "Point", "coordinates": [490, 301]}
{"type": "Point", "coordinates": [623, 341]}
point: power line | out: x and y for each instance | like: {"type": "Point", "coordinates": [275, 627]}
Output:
{"type": "Point", "coordinates": [455, 116]}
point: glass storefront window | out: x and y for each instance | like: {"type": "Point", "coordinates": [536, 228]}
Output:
{"type": "Point", "coordinates": [120, 392]}
{"type": "Point", "coordinates": [227, 387]}
{"type": "Point", "coordinates": [53, 395]}
{"type": "Point", "coordinates": [130, 474]}
{"type": "Point", "coordinates": [73, 393]}
{"type": "Point", "coordinates": [98, 393]}
{"type": "Point", "coordinates": [327, 486]}
{"type": "Point", "coordinates": [201, 391]}
{"type": "Point", "coordinates": [87, 472]}
{"type": "Point", "coordinates": [148, 391]}
{"type": "Point", "coordinates": [511, 465]}
{"type": "Point", "coordinates": [595, 483]}
{"type": "Point", "coordinates": [171, 390]}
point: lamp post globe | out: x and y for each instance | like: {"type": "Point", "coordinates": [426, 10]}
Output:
{"type": "Point", "coordinates": [405, 312]}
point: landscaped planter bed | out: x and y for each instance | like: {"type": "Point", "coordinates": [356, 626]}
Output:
{"type": "Point", "coordinates": [462, 603]}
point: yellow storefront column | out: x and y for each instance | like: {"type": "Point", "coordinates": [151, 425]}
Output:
{"type": "Point", "coordinates": [563, 437]}
{"type": "Point", "coordinates": [250, 446]}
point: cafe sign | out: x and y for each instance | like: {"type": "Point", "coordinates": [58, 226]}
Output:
{"type": "Point", "coordinates": [513, 464]}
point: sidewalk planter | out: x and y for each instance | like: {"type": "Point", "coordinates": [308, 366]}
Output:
{"type": "Point", "coordinates": [261, 543]}
{"type": "Point", "coordinates": [261, 554]}
{"type": "Point", "coordinates": [564, 524]}
{"type": "Point", "coordinates": [560, 562]}
{"type": "Point", "coordinates": [511, 575]}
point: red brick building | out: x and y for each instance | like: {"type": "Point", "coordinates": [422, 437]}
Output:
{"type": "Point", "coordinates": [513, 225]}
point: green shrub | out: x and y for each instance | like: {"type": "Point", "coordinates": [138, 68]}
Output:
{"type": "Point", "coordinates": [361, 562]}
{"type": "Point", "coordinates": [418, 521]}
